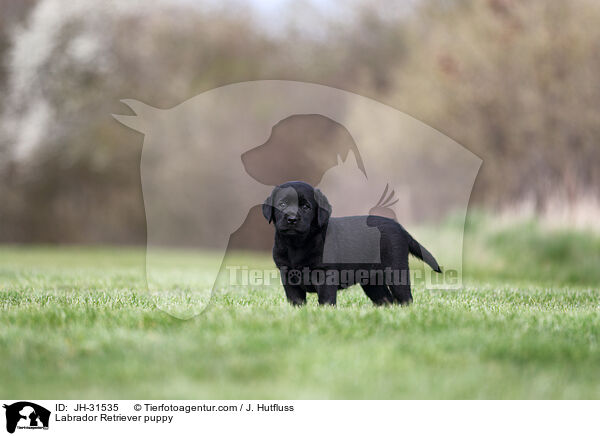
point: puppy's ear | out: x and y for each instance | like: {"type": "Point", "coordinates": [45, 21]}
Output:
{"type": "Point", "coordinates": [324, 208]}
{"type": "Point", "coordinates": [267, 208]}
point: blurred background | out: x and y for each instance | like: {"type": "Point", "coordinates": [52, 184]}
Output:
{"type": "Point", "coordinates": [514, 81]}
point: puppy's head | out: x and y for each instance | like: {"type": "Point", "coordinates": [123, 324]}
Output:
{"type": "Point", "coordinates": [296, 208]}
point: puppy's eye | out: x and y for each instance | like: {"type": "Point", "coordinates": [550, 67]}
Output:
{"type": "Point", "coordinates": [306, 206]}
{"type": "Point", "coordinates": [282, 204]}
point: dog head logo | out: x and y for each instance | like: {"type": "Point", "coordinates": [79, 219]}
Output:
{"type": "Point", "coordinates": [210, 160]}
{"type": "Point", "coordinates": [26, 415]}
{"type": "Point", "coordinates": [301, 147]}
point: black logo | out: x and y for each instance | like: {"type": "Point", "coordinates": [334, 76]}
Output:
{"type": "Point", "coordinates": [26, 415]}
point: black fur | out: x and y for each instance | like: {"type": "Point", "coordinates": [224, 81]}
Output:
{"type": "Point", "coordinates": [301, 215]}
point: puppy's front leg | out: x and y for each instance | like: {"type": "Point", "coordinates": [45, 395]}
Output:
{"type": "Point", "coordinates": [295, 295]}
{"type": "Point", "coordinates": [327, 294]}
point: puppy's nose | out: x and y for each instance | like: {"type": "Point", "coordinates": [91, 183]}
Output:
{"type": "Point", "coordinates": [292, 220]}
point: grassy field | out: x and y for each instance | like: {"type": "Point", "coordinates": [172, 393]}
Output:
{"type": "Point", "coordinates": [79, 323]}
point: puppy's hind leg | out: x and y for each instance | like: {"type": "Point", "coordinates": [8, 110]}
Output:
{"type": "Point", "coordinates": [400, 287]}
{"type": "Point", "coordinates": [379, 294]}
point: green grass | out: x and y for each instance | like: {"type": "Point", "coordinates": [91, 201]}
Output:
{"type": "Point", "coordinates": [525, 251]}
{"type": "Point", "coordinates": [79, 323]}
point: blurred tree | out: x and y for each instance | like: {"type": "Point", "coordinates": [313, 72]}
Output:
{"type": "Point", "coordinates": [514, 81]}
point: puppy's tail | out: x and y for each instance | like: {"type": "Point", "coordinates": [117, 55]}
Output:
{"type": "Point", "coordinates": [421, 252]}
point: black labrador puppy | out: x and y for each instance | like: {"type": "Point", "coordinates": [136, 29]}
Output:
{"type": "Point", "coordinates": [317, 253]}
